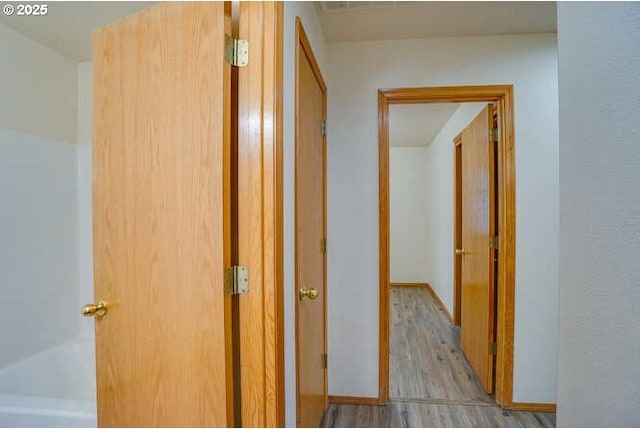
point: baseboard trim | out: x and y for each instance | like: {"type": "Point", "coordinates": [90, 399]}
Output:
{"type": "Point", "coordinates": [353, 400]}
{"type": "Point", "coordinates": [440, 303]}
{"type": "Point", "coordinates": [533, 407]}
{"type": "Point", "coordinates": [424, 285]}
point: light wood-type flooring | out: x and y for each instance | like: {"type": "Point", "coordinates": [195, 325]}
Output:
{"type": "Point", "coordinates": [431, 382]}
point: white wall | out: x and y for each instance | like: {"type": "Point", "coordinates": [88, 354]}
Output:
{"type": "Point", "coordinates": [38, 87]}
{"type": "Point", "coordinates": [355, 72]}
{"type": "Point", "coordinates": [38, 185]}
{"type": "Point", "coordinates": [440, 191]}
{"type": "Point", "coordinates": [409, 205]}
{"type": "Point", "coordinates": [599, 335]}
{"type": "Point", "coordinates": [38, 255]}
{"type": "Point", "coordinates": [84, 201]}
{"type": "Point", "coordinates": [308, 15]}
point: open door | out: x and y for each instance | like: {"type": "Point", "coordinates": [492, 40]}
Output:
{"type": "Point", "coordinates": [310, 250]}
{"type": "Point", "coordinates": [477, 328]}
{"type": "Point", "coordinates": [161, 234]}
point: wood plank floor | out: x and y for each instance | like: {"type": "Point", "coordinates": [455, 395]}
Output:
{"type": "Point", "coordinates": [431, 382]}
{"type": "Point", "coordinates": [425, 360]}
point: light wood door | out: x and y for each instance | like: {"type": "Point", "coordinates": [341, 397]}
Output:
{"type": "Point", "coordinates": [310, 231]}
{"type": "Point", "coordinates": [160, 165]}
{"type": "Point", "coordinates": [478, 226]}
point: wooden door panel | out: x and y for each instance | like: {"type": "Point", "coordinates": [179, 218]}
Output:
{"type": "Point", "coordinates": [478, 226]}
{"type": "Point", "coordinates": [160, 241]}
{"type": "Point", "coordinates": [310, 230]}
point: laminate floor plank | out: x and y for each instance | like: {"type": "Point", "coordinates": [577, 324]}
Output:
{"type": "Point", "coordinates": [415, 415]}
{"type": "Point", "coordinates": [431, 382]}
{"type": "Point", "coordinates": [425, 360]}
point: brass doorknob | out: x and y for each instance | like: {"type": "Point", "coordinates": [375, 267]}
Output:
{"type": "Point", "coordinates": [311, 293]}
{"type": "Point", "coordinates": [99, 308]}
{"type": "Point", "coordinates": [461, 252]}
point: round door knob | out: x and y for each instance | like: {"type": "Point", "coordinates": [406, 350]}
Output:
{"type": "Point", "coordinates": [311, 293]}
{"type": "Point", "coordinates": [460, 252]}
{"type": "Point", "coordinates": [99, 308]}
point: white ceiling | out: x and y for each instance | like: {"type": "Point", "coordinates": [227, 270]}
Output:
{"type": "Point", "coordinates": [67, 27]}
{"type": "Point", "coordinates": [370, 20]}
{"type": "Point", "coordinates": [414, 125]}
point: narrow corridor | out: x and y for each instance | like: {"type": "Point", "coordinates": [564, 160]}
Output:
{"type": "Point", "coordinates": [431, 382]}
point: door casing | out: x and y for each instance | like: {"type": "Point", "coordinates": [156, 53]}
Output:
{"type": "Point", "coordinates": [259, 220]}
{"type": "Point", "coordinates": [502, 95]}
{"type": "Point", "coordinates": [457, 227]}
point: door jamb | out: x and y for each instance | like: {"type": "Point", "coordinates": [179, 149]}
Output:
{"type": "Point", "coordinates": [457, 226]}
{"type": "Point", "coordinates": [503, 96]}
{"type": "Point", "coordinates": [303, 47]}
{"type": "Point", "coordinates": [259, 216]}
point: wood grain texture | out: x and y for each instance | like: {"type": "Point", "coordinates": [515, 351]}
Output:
{"type": "Point", "coordinates": [426, 362]}
{"type": "Point", "coordinates": [353, 400]}
{"type": "Point", "coordinates": [384, 233]}
{"type": "Point", "coordinates": [278, 220]}
{"type": "Point", "coordinates": [260, 216]}
{"type": "Point", "coordinates": [251, 220]}
{"type": "Point", "coordinates": [478, 226]}
{"type": "Point", "coordinates": [160, 238]}
{"type": "Point", "coordinates": [507, 244]}
{"type": "Point", "coordinates": [533, 407]}
{"type": "Point", "coordinates": [457, 228]}
{"type": "Point", "coordinates": [502, 95]}
{"type": "Point", "coordinates": [310, 229]}
{"type": "Point", "coordinates": [423, 414]}
{"type": "Point", "coordinates": [416, 284]}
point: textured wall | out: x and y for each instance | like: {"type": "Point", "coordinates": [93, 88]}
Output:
{"type": "Point", "coordinates": [599, 335]}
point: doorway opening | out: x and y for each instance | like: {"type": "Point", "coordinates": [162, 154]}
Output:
{"type": "Point", "coordinates": [490, 349]}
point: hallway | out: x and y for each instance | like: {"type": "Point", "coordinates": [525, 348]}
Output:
{"type": "Point", "coordinates": [431, 382]}
{"type": "Point", "coordinates": [425, 359]}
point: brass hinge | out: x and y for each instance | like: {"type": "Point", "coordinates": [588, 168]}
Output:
{"type": "Point", "coordinates": [324, 127]}
{"type": "Point", "coordinates": [493, 135]}
{"type": "Point", "coordinates": [323, 245]}
{"type": "Point", "coordinates": [493, 348]}
{"type": "Point", "coordinates": [236, 51]}
{"type": "Point", "coordinates": [236, 280]}
{"type": "Point", "coordinates": [494, 243]}
{"type": "Point", "coordinates": [325, 358]}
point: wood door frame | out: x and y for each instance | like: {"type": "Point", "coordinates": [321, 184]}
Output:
{"type": "Point", "coordinates": [303, 47]}
{"type": "Point", "coordinates": [503, 96]}
{"type": "Point", "coordinates": [457, 227]}
{"type": "Point", "coordinates": [260, 218]}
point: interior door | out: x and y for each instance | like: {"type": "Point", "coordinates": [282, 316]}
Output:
{"type": "Point", "coordinates": [478, 227]}
{"type": "Point", "coordinates": [310, 232]}
{"type": "Point", "coordinates": [161, 243]}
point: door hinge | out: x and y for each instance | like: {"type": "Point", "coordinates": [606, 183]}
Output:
{"type": "Point", "coordinates": [493, 135]}
{"type": "Point", "coordinates": [236, 51]}
{"type": "Point", "coordinates": [323, 245]}
{"type": "Point", "coordinates": [236, 280]}
{"type": "Point", "coordinates": [324, 127]}
{"type": "Point", "coordinates": [325, 359]}
{"type": "Point", "coordinates": [494, 243]}
{"type": "Point", "coordinates": [493, 348]}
